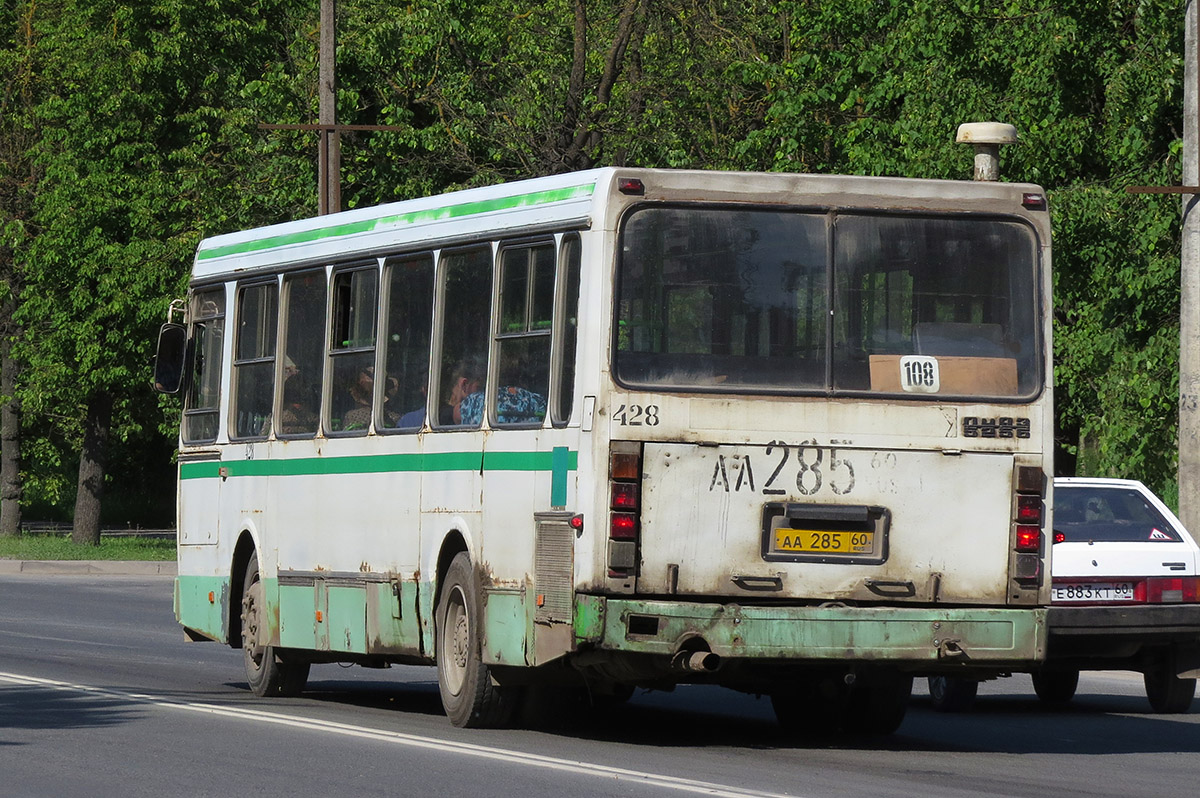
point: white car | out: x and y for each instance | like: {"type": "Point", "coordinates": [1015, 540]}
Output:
{"type": "Point", "coordinates": [1125, 595]}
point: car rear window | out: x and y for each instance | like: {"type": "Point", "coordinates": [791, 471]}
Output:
{"type": "Point", "coordinates": [1084, 513]}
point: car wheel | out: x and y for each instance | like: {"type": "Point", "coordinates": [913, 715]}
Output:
{"type": "Point", "coordinates": [1168, 693]}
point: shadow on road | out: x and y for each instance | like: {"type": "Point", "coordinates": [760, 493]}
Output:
{"type": "Point", "coordinates": [701, 716]}
{"type": "Point", "coordinates": [24, 707]}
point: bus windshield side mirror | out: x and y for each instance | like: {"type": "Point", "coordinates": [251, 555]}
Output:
{"type": "Point", "coordinates": [169, 359]}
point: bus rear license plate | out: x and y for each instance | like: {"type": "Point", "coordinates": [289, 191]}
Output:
{"type": "Point", "coordinates": [1067, 592]}
{"type": "Point", "coordinates": [814, 541]}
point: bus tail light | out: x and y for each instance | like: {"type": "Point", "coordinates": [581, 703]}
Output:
{"type": "Point", "coordinates": [624, 505]}
{"type": "Point", "coordinates": [624, 526]}
{"type": "Point", "coordinates": [1029, 489]}
{"type": "Point", "coordinates": [1029, 539]}
{"type": "Point", "coordinates": [624, 496]}
{"type": "Point", "coordinates": [1029, 510]}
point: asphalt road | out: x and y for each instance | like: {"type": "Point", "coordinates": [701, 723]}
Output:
{"type": "Point", "coordinates": [100, 695]}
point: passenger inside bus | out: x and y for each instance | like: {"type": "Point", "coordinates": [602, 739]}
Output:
{"type": "Point", "coordinates": [514, 405]}
{"type": "Point", "coordinates": [298, 415]}
{"type": "Point", "coordinates": [362, 390]}
{"type": "Point", "coordinates": [468, 380]}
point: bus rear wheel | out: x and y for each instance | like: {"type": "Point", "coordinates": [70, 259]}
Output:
{"type": "Point", "coordinates": [469, 695]}
{"type": "Point", "coordinates": [952, 693]}
{"type": "Point", "coordinates": [268, 673]}
{"type": "Point", "coordinates": [878, 706]}
{"type": "Point", "coordinates": [1055, 687]}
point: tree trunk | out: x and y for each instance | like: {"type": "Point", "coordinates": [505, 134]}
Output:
{"type": "Point", "coordinates": [91, 469]}
{"type": "Point", "coordinates": [10, 428]}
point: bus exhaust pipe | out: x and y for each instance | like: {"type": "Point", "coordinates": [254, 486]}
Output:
{"type": "Point", "coordinates": [695, 661]}
{"type": "Point", "coordinates": [986, 138]}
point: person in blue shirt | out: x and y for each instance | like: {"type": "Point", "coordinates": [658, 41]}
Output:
{"type": "Point", "coordinates": [514, 405]}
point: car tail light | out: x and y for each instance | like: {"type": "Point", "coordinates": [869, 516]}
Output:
{"type": "Point", "coordinates": [1170, 590]}
{"type": "Point", "coordinates": [1059, 537]}
{"type": "Point", "coordinates": [625, 501]}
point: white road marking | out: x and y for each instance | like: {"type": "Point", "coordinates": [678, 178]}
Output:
{"type": "Point", "coordinates": [409, 740]}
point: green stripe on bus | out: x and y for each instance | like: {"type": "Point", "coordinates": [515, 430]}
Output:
{"type": "Point", "coordinates": [559, 461]}
{"type": "Point", "coordinates": [413, 217]}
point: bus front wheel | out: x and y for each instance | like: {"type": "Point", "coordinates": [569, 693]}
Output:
{"type": "Point", "coordinates": [267, 673]}
{"type": "Point", "coordinates": [469, 695]}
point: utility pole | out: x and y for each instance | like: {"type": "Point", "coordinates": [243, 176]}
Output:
{"type": "Point", "coordinates": [1189, 277]}
{"type": "Point", "coordinates": [329, 152]}
{"type": "Point", "coordinates": [1189, 294]}
{"type": "Point", "coordinates": [329, 147]}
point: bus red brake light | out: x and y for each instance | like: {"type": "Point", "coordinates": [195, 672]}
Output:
{"type": "Point", "coordinates": [1029, 510]}
{"type": "Point", "coordinates": [1034, 202]}
{"type": "Point", "coordinates": [1059, 537]}
{"type": "Point", "coordinates": [624, 496]}
{"type": "Point", "coordinates": [631, 185]}
{"type": "Point", "coordinates": [1029, 538]}
{"type": "Point", "coordinates": [623, 526]}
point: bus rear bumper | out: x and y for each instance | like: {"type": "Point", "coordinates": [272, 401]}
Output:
{"type": "Point", "coordinates": [922, 639]}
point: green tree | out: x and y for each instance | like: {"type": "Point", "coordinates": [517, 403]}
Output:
{"type": "Point", "coordinates": [17, 177]}
{"type": "Point", "coordinates": [1095, 90]}
{"type": "Point", "coordinates": [141, 152]}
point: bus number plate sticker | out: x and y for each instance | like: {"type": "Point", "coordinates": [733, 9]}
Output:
{"type": "Point", "coordinates": [814, 541]}
{"type": "Point", "coordinates": [919, 374]}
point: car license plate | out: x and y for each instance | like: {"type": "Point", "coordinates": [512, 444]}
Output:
{"type": "Point", "coordinates": [818, 541]}
{"type": "Point", "coordinates": [1091, 591]}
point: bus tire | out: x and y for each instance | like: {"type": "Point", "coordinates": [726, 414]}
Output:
{"type": "Point", "coordinates": [878, 706]}
{"type": "Point", "coordinates": [470, 696]}
{"type": "Point", "coordinates": [810, 713]}
{"type": "Point", "coordinates": [1055, 687]}
{"type": "Point", "coordinates": [1168, 693]}
{"type": "Point", "coordinates": [267, 672]}
{"type": "Point", "coordinates": [952, 693]}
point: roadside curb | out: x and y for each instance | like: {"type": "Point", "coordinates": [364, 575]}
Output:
{"type": "Point", "coordinates": [89, 567]}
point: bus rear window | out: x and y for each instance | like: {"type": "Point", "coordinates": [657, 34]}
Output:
{"type": "Point", "coordinates": [764, 300]}
{"type": "Point", "coordinates": [722, 299]}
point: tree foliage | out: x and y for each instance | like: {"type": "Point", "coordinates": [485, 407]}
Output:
{"type": "Point", "coordinates": [142, 134]}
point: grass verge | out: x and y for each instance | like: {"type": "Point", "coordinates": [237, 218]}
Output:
{"type": "Point", "coordinates": [58, 547]}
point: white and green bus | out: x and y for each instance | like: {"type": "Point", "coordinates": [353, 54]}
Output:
{"type": "Point", "coordinates": [623, 428]}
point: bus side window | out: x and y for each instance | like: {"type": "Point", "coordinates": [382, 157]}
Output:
{"type": "Point", "coordinates": [523, 338]}
{"type": "Point", "coordinates": [254, 360]}
{"type": "Point", "coordinates": [201, 410]}
{"type": "Point", "coordinates": [352, 349]}
{"type": "Point", "coordinates": [567, 329]}
{"type": "Point", "coordinates": [465, 315]}
{"type": "Point", "coordinates": [406, 340]}
{"type": "Point", "coordinates": [303, 352]}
